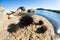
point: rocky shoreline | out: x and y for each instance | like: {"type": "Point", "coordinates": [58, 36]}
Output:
{"type": "Point", "coordinates": [28, 26]}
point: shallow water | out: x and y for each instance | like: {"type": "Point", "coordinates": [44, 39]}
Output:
{"type": "Point", "coordinates": [54, 18]}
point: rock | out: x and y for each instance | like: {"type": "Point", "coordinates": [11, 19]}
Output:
{"type": "Point", "coordinates": [2, 10]}
{"type": "Point", "coordinates": [10, 14]}
{"type": "Point", "coordinates": [29, 32]}
{"type": "Point", "coordinates": [31, 11]}
{"type": "Point", "coordinates": [20, 10]}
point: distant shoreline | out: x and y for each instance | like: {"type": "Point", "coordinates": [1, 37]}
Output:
{"type": "Point", "coordinates": [56, 11]}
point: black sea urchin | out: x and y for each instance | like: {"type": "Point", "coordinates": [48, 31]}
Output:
{"type": "Point", "coordinates": [41, 22]}
{"type": "Point", "coordinates": [25, 21]}
{"type": "Point", "coordinates": [42, 29]}
{"type": "Point", "coordinates": [12, 28]}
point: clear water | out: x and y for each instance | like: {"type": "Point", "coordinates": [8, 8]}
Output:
{"type": "Point", "coordinates": [54, 18]}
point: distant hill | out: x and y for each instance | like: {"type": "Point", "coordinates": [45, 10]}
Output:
{"type": "Point", "coordinates": [56, 11]}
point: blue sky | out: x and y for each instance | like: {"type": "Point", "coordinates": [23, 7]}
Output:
{"type": "Point", "coordinates": [14, 4]}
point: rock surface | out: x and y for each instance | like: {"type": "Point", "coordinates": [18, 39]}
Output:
{"type": "Point", "coordinates": [40, 29]}
{"type": "Point", "coordinates": [27, 33]}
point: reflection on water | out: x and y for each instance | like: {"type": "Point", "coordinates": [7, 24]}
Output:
{"type": "Point", "coordinates": [54, 18]}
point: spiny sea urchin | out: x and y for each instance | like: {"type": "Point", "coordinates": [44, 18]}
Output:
{"type": "Point", "coordinates": [12, 28]}
{"type": "Point", "coordinates": [41, 22]}
{"type": "Point", "coordinates": [42, 29]}
{"type": "Point", "coordinates": [25, 21]}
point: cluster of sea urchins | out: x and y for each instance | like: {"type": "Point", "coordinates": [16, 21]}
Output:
{"type": "Point", "coordinates": [24, 22]}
